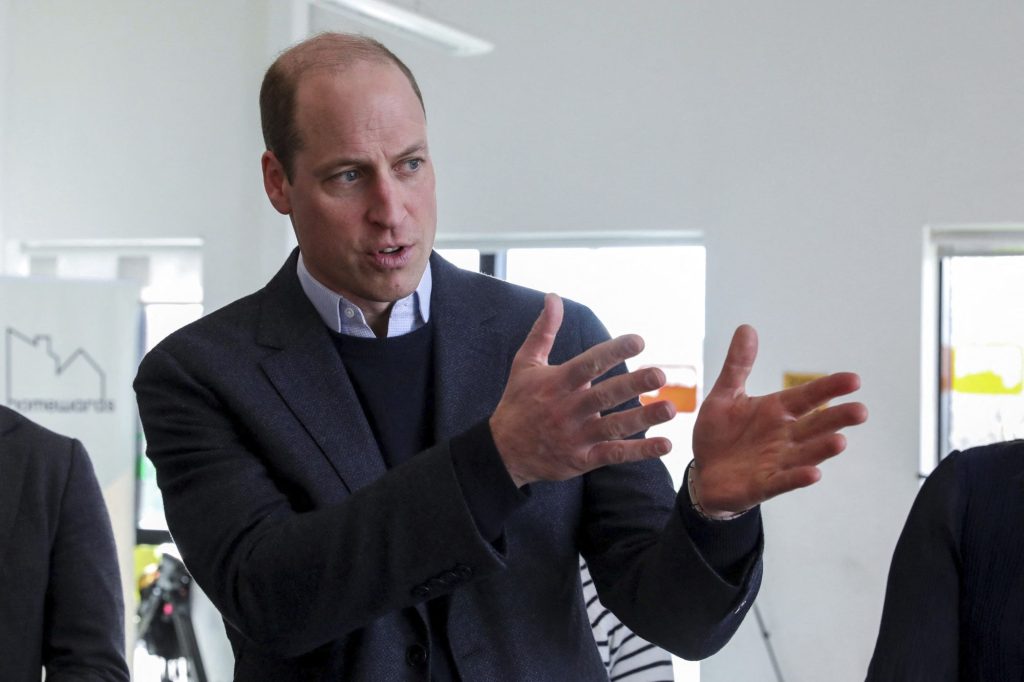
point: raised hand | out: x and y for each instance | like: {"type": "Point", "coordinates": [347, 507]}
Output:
{"type": "Point", "coordinates": [748, 449]}
{"type": "Point", "coordinates": [548, 425]}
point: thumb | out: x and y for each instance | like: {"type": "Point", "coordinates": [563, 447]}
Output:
{"type": "Point", "coordinates": [541, 339]}
{"type": "Point", "coordinates": [739, 360]}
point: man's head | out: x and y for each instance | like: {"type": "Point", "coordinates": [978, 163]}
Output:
{"type": "Point", "coordinates": [347, 160]}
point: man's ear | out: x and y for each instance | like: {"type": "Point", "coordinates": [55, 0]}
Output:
{"type": "Point", "coordinates": [275, 182]}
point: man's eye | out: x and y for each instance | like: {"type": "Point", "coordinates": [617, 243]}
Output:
{"type": "Point", "coordinates": [413, 164]}
{"type": "Point", "coordinates": [347, 176]}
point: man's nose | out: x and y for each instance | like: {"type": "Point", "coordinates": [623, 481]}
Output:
{"type": "Point", "coordinates": [387, 202]}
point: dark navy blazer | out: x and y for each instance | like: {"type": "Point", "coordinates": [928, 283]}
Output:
{"type": "Point", "coordinates": [60, 590]}
{"type": "Point", "coordinates": [954, 605]}
{"type": "Point", "coordinates": [320, 559]}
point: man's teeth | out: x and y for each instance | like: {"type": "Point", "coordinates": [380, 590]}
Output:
{"type": "Point", "coordinates": [391, 249]}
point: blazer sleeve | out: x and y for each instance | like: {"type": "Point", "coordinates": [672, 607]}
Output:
{"type": "Point", "coordinates": [292, 579]}
{"type": "Point", "coordinates": [676, 580]}
{"type": "Point", "coordinates": [919, 634]}
{"type": "Point", "coordinates": [83, 637]}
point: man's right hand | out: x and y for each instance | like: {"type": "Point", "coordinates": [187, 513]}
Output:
{"type": "Point", "coordinates": [548, 425]}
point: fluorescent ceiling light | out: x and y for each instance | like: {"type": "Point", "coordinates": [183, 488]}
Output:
{"type": "Point", "coordinates": [410, 24]}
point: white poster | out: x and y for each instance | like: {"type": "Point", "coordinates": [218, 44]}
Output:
{"type": "Point", "coordinates": [70, 349]}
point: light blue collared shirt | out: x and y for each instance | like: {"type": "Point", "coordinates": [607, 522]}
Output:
{"type": "Point", "coordinates": [341, 315]}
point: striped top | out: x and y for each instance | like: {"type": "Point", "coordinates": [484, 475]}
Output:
{"type": "Point", "coordinates": [627, 657]}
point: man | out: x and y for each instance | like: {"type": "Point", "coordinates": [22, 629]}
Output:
{"type": "Point", "coordinates": [381, 467]}
{"type": "Point", "coordinates": [61, 608]}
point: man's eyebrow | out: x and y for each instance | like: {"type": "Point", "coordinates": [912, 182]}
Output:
{"type": "Point", "coordinates": [356, 161]}
{"type": "Point", "coordinates": [339, 162]}
{"type": "Point", "coordinates": [417, 148]}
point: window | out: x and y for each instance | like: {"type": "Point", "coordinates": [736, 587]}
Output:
{"type": "Point", "coordinates": [979, 358]}
{"type": "Point", "coordinates": [983, 350]}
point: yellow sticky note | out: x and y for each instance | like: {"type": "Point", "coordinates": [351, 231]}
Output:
{"type": "Point", "coordinates": [791, 379]}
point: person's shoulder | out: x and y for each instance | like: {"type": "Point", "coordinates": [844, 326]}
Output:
{"type": "Point", "coordinates": [514, 302]}
{"type": "Point", "coordinates": [217, 336]}
{"type": "Point", "coordinates": [234, 318]}
{"type": "Point", "coordinates": [237, 321]}
{"type": "Point", "coordinates": [1002, 453]}
{"type": "Point", "coordinates": [19, 432]}
{"type": "Point", "coordinates": [481, 286]}
{"type": "Point", "coordinates": [39, 453]}
{"type": "Point", "coordinates": [989, 467]}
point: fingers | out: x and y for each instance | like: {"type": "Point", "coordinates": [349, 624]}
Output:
{"type": "Point", "coordinates": [738, 361]}
{"type": "Point", "coordinates": [814, 438]}
{"type": "Point", "coordinates": [803, 470]}
{"type": "Point", "coordinates": [541, 339]}
{"type": "Point", "coordinates": [800, 400]}
{"type": "Point", "coordinates": [597, 360]}
{"type": "Point", "coordinates": [622, 451]}
{"type": "Point", "coordinates": [817, 450]}
{"type": "Point", "coordinates": [619, 425]}
{"type": "Point", "coordinates": [618, 389]}
{"type": "Point", "coordinates": [791, 479]}
{"type": "Point", "coordinates": [829, 420]}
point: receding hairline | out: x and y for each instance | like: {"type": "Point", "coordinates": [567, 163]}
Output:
{"type": "Point", "coordinates": [337, 52]}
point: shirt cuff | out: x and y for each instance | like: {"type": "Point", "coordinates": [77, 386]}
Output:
{"type": "Point", "coordinates": [487, 487]}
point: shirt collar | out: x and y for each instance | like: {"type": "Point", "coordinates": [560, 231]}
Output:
{"type": "Point", "coordinates": [344, 317]}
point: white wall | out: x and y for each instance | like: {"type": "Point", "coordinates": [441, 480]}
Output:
{"type": "Point", "coordinates": [137, 119]}
{"type": "Point", "coordinates": [841, 129]}
{"type": "Point", "coordinates": [809, 141]}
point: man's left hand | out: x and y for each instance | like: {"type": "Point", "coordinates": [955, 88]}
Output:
{"type": "Point", "coordinates": [748, 449]}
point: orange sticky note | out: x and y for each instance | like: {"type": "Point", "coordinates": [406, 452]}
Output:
{"type": "Point", "coordinates": [680, 389]}
{"type": "Point", "coordinates": [683, 397]}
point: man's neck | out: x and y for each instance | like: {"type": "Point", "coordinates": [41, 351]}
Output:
{"type": "Point", "coordinates": [367, 318]}
{"type": "Point", "coordinates": [378, 321]}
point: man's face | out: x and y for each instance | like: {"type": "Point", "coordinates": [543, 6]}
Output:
{"type": "Point", "coordinates": [361, 196]}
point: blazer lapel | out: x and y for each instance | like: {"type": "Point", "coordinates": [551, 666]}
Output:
{"type": "Point", "coordinates": [471, 360]}
{"type": "Point", "coordinates": [312, 381]}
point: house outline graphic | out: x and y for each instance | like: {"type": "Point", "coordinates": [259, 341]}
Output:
{"type": "Point", "coordinates": [44, 342]}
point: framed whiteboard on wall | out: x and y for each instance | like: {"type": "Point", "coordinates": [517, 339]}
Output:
{"type": "Point", "coordinates": [68, 354]}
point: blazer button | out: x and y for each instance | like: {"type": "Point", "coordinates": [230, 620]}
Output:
{"type": "Point", "coordinates": [463, 571]}
{"type": "Point", "coordinates": [416, 655]}
{"type": "Point", "coordinates": [449, 578]}
{"type": "Point", "coordinates": [421, 591]}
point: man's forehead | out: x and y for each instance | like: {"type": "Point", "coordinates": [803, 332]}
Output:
{"type": "Point", "coordinates": [350, 114]}
{"type": "Point", "coordinates": [356, 92]}
{"type": "Point", "coordinates": [355, 88]}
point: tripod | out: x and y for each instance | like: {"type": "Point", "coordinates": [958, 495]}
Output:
{"type": "Point", "coordinates": [165, 622]}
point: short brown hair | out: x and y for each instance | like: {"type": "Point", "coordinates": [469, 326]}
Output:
{"type": "Point", "coordinates": [321, 52]}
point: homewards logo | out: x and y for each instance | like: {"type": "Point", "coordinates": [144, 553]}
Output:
{"type": "Point", "coordinates": [40, 380]}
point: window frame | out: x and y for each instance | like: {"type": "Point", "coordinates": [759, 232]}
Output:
{"type": "Point", "coordinates": [940, 243]}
